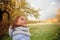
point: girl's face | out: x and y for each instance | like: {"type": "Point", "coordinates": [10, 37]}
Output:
{"type": "Point", "coordinates": [22, 21]}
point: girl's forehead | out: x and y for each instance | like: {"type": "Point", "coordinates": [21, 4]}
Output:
{"type": "Point", "coordinates": [21, 17]}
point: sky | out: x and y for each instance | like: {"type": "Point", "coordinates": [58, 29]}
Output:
{"type": "Point", "coordinates": [48, 8]}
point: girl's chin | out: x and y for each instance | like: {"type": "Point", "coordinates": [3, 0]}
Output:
{"type": "Point", "coordinates": [24, 25]}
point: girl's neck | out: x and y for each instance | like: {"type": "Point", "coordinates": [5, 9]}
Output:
{"type": "Point", "coordinates": [20, 26]}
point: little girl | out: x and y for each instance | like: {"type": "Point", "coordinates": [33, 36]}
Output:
{"type": "Point", "coordinates": [19, 29]}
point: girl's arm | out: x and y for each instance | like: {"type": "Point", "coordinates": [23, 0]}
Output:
{"type": "Point", "coordinates": [10, 31]}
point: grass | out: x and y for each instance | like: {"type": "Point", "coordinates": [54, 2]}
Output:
{"type": "Point", "coordinates": [42, 32]}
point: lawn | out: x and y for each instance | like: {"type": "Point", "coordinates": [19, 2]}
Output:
{"type": "Point", "coordinates": [42, 32]}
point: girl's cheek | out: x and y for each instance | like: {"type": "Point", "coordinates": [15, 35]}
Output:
{"type": "Point", "coordinates": [19, 21]}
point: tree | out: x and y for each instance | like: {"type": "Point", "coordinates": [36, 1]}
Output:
{"type": "Point", "coordinates": [15, 8]}
{"type": "Point", "coordinates": [22, 7]}
{"type": "Point", "coordinates": [58, 15]}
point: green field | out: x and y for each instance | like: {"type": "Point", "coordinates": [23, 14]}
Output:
{"type": "Point", "coordinates": [43, 32]}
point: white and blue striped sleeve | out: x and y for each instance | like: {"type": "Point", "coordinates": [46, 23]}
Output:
{"type": "Point", "coordinates": [10, 31]}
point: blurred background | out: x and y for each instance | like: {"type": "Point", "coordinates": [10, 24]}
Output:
{"type": "Point", "coordinates": [43, 17]}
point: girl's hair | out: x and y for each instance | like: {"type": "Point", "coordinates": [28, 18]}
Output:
{"type": "Point", "coordinates": [14, 22]}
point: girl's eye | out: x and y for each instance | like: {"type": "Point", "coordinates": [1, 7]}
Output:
{"type": "Point", "coordinates": [22, 19]}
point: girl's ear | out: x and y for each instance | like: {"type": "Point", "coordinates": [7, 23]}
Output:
{"type": "Point", "coordinates": [17, 23]}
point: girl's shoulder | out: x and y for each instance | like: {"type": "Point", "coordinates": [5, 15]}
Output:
{"type": "Point", "coordinates": [21, 28]}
